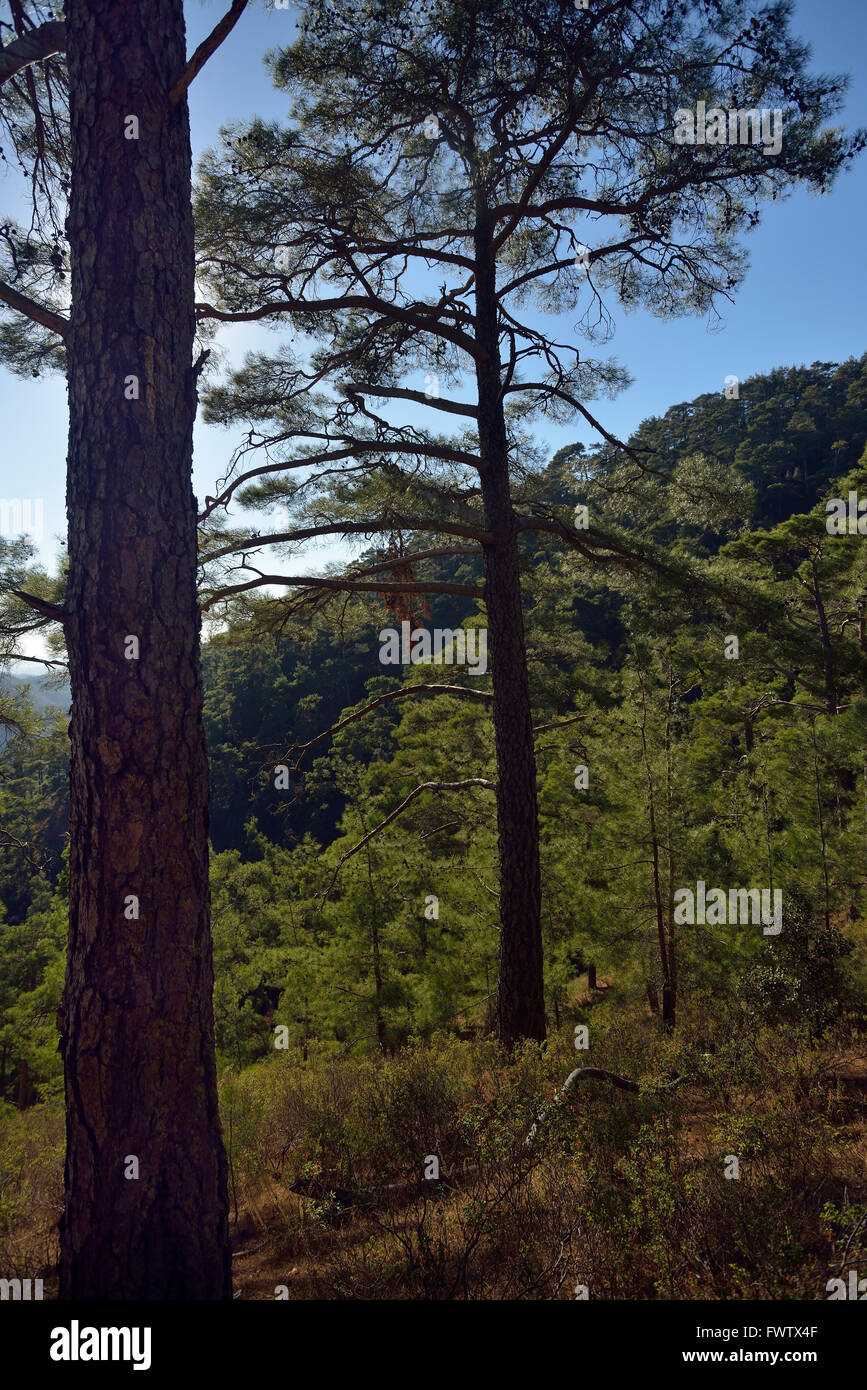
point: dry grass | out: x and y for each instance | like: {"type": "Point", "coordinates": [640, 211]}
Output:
{"type": "Point", "coordinates": [624, 1193]}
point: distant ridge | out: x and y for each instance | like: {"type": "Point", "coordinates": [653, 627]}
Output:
{"type": "Point", "coordinates": [45, 691]}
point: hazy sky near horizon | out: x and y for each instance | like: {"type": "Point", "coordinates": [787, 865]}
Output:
{"type": "Point", "coordinates": [803, 299]}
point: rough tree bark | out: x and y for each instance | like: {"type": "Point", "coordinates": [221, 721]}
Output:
{"type": "Point", "coordinates": [137, 1029]}
{"type": "Point", "coordinates": [520, 992]}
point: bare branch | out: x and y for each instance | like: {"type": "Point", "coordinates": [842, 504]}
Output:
{"type": "Point", "coordinates": [432, 688]}
{"type": "Point", "coordinates": [341, 586]}
{"type": "Point", "coordinates": [39, 605]}
{"type": "Point", "coordinates": [422, 317]}
{"type": "Point", "coordinates": [560, 723]}
{"type": "Point", "coordinates": [302, 748]}
{"type": "Point", "coordinates": [7, 839]}
{"type": "Point", "coordinates": [622, 1083]}
{"type": "Point", "coordinates": [357, 448]}
{"type": "Point", "coordinates": [33, 311]}
{"type": "Point", "coordinates": [405, 394]}
{"type": "Point", "coordinates": [206, 48]}
{"type": "Point", "coordinates": [351, 528]}
{"type": "Point", "coordinates": [547, 388]}
{"type": "Point", "coordinates": [417, 791]}
{"type": "Point", "coordinates": [42, 661]}
{"type": "Point", "coordinates": [34, 47]}
{"type": "Point", "coordinates": [412, 557]}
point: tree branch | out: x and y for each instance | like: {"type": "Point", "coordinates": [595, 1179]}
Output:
{"type": "Point", "coordinates": [405, 394]}
{"type": "Point", "coordinates": [206, 48]}
{"type": "Point", "coordinates": [42, 661]}
{"type": "Point", "coordinates": [417, 791]}
{"type": "Point", "coordinates": [302, 748]}
{"type": "Point", "coordinates": [424, 322]}
{"type": "Point", "coordinates": [350, 528]}
{"type": "Point", "coordinates": [33, 311]}
{"type": "Point", "coordinates": [357, 448]}
{"type": "Point", "coordinates": [8, 839]}
{"type": "Point", "coordinates": [341, 586]}
{"type": "Point", "coordinates": [622, 1083]}
{"type": "Point", "coordinates": [560, 723]}
{"type": "Point", "coordinates": [423, 688]}
{"type": "Point", "coordinates": [40, 605]}
{"type": "Point", "coordinates": [34, 47]}
{"type": "Point", "coordinates": [548, 388]}
{"type": "Point", "coordinates": [412, 557]}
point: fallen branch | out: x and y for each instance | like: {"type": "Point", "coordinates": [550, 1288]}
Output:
{"type": "Point", "coordinates": [622, 1083]}
{"type": "Point", "coordinates": [342, 1197]}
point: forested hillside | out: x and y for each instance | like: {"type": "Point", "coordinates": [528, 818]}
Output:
{"type": "Point", "coordinates": [754, 766]}
{"type": "Point", "coordinates": [698, 696]}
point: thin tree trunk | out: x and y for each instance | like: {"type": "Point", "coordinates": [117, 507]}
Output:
{"type": "Point", "coordinates": [668, 992]}
{"type": "Point", "coordinates": [138, 1034]}
{"type": "Point", "coordinates": [748, 731]}
{"type": "Point", "coordinates": [669, 832]}
{"type": "Point", "coordinates": [24, 1086]}
{"type": "Point", "coordinates": [520, 992]}
{"type": "Point", "coordinates": [376, 955]}
{"type": "Point", "coordinates": [823, 843]}
{"type": "Point", "coordinates": [827, 648]}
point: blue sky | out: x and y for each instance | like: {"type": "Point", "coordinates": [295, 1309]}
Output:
{"type": "Point", "coordinates": [803, 299]}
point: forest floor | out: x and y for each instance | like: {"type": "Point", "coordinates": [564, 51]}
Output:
{"type": "Point", "coordinates": [627, 1193]}
{"type": "Point", "coordinates": [295, 1248]}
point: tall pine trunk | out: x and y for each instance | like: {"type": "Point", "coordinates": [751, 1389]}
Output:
{"type": "Point", "coordinates": [138, 1036]}
{"type": "Point", "coordinates": [520, 990]}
